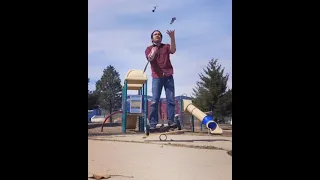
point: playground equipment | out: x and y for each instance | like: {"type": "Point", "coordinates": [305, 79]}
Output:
{"type": "Point", "coordinates": [206, 120]}
{"type": "Point", "coordinates": [135, 107]}
{"type": "Point", "coordinates": [94, 112]}
{"type": "Point", "coordinates": [113, 113]}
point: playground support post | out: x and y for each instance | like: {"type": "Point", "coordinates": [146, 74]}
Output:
{"type": "Point", "coordinates": [140, 123]}
{"type": "Point", "coordinates": [145, 110]}
{"type": "Point", "coordinates": [181, 113]}
{"type": "Point", "coordinates": [181, 116]}
{"type": "Point", "coordinates": [192, 123]}
{"type": "Point", "coordinates": [124, 106]}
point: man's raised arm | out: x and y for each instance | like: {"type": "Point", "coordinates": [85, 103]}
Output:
{"type": "Point", "coordinates": [173, 41]}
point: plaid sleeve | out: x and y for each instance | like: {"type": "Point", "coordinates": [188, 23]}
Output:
{"type": "Point", "coordinates": [152, 54]}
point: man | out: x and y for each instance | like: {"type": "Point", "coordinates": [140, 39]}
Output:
{"type": "Point", "coordinates": [158, 54]}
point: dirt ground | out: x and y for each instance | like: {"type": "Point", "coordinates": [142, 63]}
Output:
{"type": "Point", "coordinates": [148, 161]}
{"type": "Point", "coordinates": [157, 162]}
{"type": "Point", "coordinates": [94, 129]}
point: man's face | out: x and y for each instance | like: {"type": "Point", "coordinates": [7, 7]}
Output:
{"type": "Point", "coordinates": [156, 36]}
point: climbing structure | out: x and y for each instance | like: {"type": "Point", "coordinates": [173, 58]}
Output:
{"type": "Point", "coordinates": [134, 107]}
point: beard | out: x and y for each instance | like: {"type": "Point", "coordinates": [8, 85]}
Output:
{"type": "Point", "coordinates": [156, 42]}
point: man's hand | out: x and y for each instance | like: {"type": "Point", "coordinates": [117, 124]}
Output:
{"type": "Point", "coordinates": [173, 41]}
{"type": "Point", "coordinates": [153, 53]}
{"type": "Point", "coordinates": [170, 33]}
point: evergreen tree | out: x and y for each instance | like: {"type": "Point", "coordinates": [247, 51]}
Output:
{"type": "Point", "coordinates": [109, 89]}
{"type": "Point", "coordinates": [211, 89]}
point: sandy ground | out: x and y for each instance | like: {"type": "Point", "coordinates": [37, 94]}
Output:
{"type": "Point", "coordinates": [157, 162]}
{"type": "Point", "coordinates": [150, 159]}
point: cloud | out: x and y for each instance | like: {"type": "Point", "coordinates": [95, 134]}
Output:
{"type": "Point", "coordinates": [119, 31]}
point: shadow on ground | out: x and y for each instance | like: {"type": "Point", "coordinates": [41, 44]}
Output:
{"type": "Point", "coordinates": [90, 134]}
{"type": "Point", "coordinates": [195, 140]}
{"type": "Point", "coordinates": [95, 125]}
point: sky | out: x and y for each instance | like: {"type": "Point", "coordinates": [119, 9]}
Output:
{"type": "Point", "coordinates": [119, 32]}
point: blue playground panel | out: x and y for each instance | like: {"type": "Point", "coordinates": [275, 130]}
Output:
{"type": "Point", "coordinates": [92, 113]}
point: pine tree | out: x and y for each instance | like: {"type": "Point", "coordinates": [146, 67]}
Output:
{"type": "Point", "coordinates": [211, 87]}
{"type": "Point", "coordinates": [109, 89]}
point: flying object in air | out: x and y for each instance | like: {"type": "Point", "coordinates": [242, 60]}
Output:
{"type": "Point", "coordinates": [173, 19]}
{"type": "Point", "coordinates": [154, 8]}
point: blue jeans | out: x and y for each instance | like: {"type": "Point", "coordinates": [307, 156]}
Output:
{"type": "Point", "coordinates": [157, 85]}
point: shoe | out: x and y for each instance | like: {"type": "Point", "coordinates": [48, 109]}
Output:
{"type": "Point", "coordinates": [152, 129]}
{"type": "Point", "coordinates": [172, 124]}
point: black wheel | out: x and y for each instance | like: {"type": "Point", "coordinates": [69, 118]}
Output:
{"type": "Point", "coordinates": [163, 137]}
{"type": "Point", "coordinates": [162, 129]}
{"type": "Point", "coordinates": [147, 130]}
{"type": "Point", "coordinates": [178, 125]}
